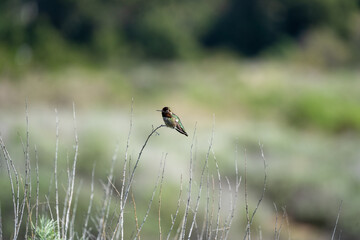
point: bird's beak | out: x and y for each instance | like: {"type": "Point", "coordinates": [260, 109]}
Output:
{"type": "Point", "coordinates": [159, 110]}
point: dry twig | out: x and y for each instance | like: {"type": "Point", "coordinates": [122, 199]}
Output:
{"type": "Point", "coordinates": [336, 223]}
{"type": "Point", "coordinates": [201, 182]}
{"type": "Point", "coordinates": [173, 219]}
{"type": "Point", "coordinates": [90, 202]}
{"type": "Point", "coordinates": [182, 233]}
{"type": "Point", "coordinates": [250, 219]}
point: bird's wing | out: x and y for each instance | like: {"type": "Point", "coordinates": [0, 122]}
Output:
{"type": "Point", "coordinates": [178, 125]}
{"type": "Point", "coordinates": [177, 119]}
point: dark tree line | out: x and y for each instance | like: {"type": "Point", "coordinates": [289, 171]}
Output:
{"type": "Point", "coordinates": [166, 29]}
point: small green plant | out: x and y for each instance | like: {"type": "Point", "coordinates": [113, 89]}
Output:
{"type": "Point", "coordinates": [46, 230]}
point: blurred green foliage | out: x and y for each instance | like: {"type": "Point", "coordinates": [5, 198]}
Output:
{"type": "Point", "coordinates": [324, 111]}
{"type": "Point", "coordinates": [62, 31]}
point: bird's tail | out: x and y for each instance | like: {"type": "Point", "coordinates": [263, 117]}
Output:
{"type": "Point", "coordinates": [180, 130]}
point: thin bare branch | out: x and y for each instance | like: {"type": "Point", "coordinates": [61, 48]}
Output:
{"type": "Point", "coordinates": [190, 186]}
{"type": "Point", "coordinates": [220, 193]}
{"type": "Point", "coordinates": [260, 233]}
{"type": "Point", "coordinates": [264, 183]}
{"type": "Point", "coordinates": [227, 220]}
{"type": "Point", "coordinates": [73, 172]}
{"type": "Point", "coordinates": [108, 194]}
{"type": "Point", "coordinates": [231, 207]}
{"type": "Point", "coordinates": [209, 233]}
{"type": "Point", "coordinates": [48, 204]}
{"type": "Point", "coordinates": [287, 222]}
{"type": "Point", "coordinates": [173, 219]}
{"type": "Point", "coordinates": [135, 213]}
{"type": "Point", "coordinates": [101, 218]}
{"type": "Point", "coordinates": [250, 220]}
{"type": "Point", "coordinates": [126, 193]}
{"type": "Point", "coordinates": [27, 191]}
{"type": "Point", "coordinates": [152, 196]}
{"type": "Point", "coordinates": [37, 189]}
{"type": "Point", "coordinates": [340, 234]}
{"type": "Point", "coordinates": [47, 195]}
{"type": "Point", "coordinates": [25, 188]}
{"type": "Point", "coordinates": [55, 173]}
{"type": "Point", "coordinates": [109, 190]}
{"type": "Point", "coordinates": [160, 191]}
{"type": "Point", "coordinates": [67, 194]}
{"type": "Point", "coordinates": [90, 202]}
{"type": "Point", "coordinates": [281, 225]}
{"type": "Point", "coordinates": [120, 223]}
{"type": "Point", "coordinates": [179, 229]}
{"type": "Point", "coordinates": [105, 207]}
{"type": "Point", "coordinates": [206, 213]}
{"type": "Point", "coordinates": [72, 222]}
{"type": "Point", "coordinates": [237, 185]}
{"type": "Point", "coordinates": [276, 222]}
{"type": "Point", "coordinates": [337, 220]}
{"type": "Point", "coordinates": [15, 198]}
{"type": "Point", "coordinates": [136, 164]}
{"type": "Point", "coordinates": [247, 233]}
{"type": "Point", "coordinates": [201, 180]}
{"type": "Point", "coordinates": [1, 234]}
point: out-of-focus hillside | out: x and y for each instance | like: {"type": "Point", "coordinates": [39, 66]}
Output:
{"type": "Point", "coordinates": [299, 96]}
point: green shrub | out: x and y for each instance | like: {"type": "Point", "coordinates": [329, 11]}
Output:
{"type": "Point", "coordinates": [324, 112]}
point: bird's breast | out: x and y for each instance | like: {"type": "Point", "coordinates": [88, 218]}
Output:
{"type": "Point", "coordinates": [169, 122]}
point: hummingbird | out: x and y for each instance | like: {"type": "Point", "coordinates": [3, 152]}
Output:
{"type": "Point", "coordinates": [171, 120]}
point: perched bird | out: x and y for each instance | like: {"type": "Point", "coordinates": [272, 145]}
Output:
{"type": "Point", "coordinates": [171, 120]}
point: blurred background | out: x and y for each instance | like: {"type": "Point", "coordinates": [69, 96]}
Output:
{"type": "Point", "coordinates": [282, 72]}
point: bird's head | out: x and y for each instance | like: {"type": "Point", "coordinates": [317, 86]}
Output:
{"type": "Point", "coordinates": [166, 112]}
